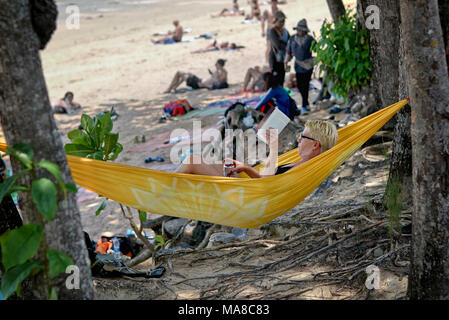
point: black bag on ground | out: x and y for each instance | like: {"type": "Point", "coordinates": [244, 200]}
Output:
{"type": "Point", "coordinates": [293, 108]}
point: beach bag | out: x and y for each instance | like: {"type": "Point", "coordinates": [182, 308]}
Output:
{"type": "Point", "coordinates": [267, 107]}
{"type": "Point", "coordinates": [177, 108]}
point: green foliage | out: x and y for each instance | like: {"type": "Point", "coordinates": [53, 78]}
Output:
{"type": "Point", "coordinates": [344, 52]}
{"type": "Point", "coordinates": [44, 194]}
{"type": "Point", "coordinates": [101, 207]}
{"type": "Point", "coordinates": [58, 262]}
{"type": "Point", "coordinates": [394, 206]}
{"type": "Point", "coordinates": [13, 278]}
{"type": "Point", "coordinates": [160, 242]}
{"type": "Point", "coordinates": [142, 216]}
{"type": "Point", "coordinates": [20, 246]}
{"type": "Point", "coordinates": [95, 140]}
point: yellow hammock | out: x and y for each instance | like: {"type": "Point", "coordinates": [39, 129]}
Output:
{"type": "Point", "coordinates": [237, 202]}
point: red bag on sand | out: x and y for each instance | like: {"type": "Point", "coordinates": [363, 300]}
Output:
{"type": "Point", "coordinates": [177, 108]}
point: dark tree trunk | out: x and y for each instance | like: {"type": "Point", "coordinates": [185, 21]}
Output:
{"type": "Point", "coordinates": [384, 48]}
{"type": "Point", "coordinates": [26, 117]}
{"type": "Point", "coordinates": [444, 18]}
{"type": "Point", "coordinates": [336, 8]}
{"type": "Point", "coordinates": [401, 158]}
{"type": "Point", "coordinates": [428, 86]}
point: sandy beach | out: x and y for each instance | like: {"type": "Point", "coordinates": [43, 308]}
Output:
{"type": "Point", "coordinates": [110, 61]}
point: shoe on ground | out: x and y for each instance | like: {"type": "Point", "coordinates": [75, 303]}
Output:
{"type": "Point", "coordinates": [304, 111]}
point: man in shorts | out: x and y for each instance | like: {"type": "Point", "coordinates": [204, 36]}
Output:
{"type": "Point", "coordinates": [217, 80]}
{"type": "Point", "coordinates": [173, 36]}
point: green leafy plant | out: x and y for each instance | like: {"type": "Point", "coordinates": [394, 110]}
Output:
{"type": "Point", "coordinates": [21, 245]}
{"type": "Point", "coordinates": [94, 139]}
{"type": "Point", "coordinates": [344, 54]}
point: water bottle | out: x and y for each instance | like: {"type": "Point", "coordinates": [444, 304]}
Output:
{"type": "Point", "coordinates": [116, 248]}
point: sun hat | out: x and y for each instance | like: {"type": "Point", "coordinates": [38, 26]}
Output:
{"type": "Point", "coordinates": [302, 25]}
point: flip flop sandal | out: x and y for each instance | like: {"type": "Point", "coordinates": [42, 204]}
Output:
{"type": "Point", "coordinates": [156, 273]}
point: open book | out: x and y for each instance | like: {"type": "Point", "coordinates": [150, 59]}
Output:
{"type": "Point", "coordinates": [275, 119]}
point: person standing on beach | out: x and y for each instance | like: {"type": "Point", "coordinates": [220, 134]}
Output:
{"type": "Point", "coordinates": [269, 18]}
{"type": "Point", "coordinates": [174, 36]}
{"type": "Point", "coordinates": [255, 10]}
{"type": "Point", "coordinates": [300, 46]}
{"type": "Point", "coordinates": [278, 41]}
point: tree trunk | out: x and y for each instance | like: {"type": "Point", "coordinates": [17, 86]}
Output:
{"type": "Point", "coordinates": [336, 8]}
{"type": "Point", "coordinates": [384, 48]}
{"type": "Point", "coordinates": [444, 18]}
{"type": "Point", "coordinates": [428, 86]}
{"type": "Point", "coordinates": [401, 158]}
{"type": "Point", "coordinates": [26, 117]}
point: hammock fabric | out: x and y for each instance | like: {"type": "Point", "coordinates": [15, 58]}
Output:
{"type": "Point", "coordinates": [238, 202]}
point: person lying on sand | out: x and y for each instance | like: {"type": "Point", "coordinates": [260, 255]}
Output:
{"type": "Point", "coordinates": [318, 136]}
{"type": "Point", "coordinates": [253, 80]}
{"type": "Point", "coordinates": [174, 36]}
{"type": "Point", "coordinates": [235, 11]}
{"type": "Point", "coordinates": [66, 104]}
{"type": "Point", "coordinates": [217, 80]}
{"type": "Point", "coordinates": [215, 46]}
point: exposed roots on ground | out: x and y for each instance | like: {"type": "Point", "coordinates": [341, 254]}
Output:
{"type": "Point", "coordinates": [326, 257]}
{"type": "Point", "coordinates": [321, 249]}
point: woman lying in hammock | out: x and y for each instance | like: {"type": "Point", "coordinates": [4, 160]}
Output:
{"type": "Point", "coordinates": [317, 137]}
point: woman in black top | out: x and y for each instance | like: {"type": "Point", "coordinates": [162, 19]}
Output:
{"type": "Point", "coordinates": [278, 36]}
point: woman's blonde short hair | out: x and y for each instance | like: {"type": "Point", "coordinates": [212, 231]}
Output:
{"type": "Point", "coordinates": [323, 131]}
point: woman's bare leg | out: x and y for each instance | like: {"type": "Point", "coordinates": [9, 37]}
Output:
{"type": "Point", "coordinates": [197, 165]}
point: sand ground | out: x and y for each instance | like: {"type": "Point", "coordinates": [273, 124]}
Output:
{"type": "Point", "coordinates": [110, 61]}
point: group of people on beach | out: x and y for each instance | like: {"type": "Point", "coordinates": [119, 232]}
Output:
{"type": "Point", "coordinates": [281, 49]}
{"type": "Point", "coordinates": [318, 135]}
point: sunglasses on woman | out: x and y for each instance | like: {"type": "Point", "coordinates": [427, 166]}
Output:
{"type": "Point", "coordinates": [301, 136]}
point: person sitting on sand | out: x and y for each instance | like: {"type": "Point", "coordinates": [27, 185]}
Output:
{"type": "Point", "coordinates": [253, 80]}
{"type": "Point", "coordinates": [66, 104]}
{"type": "Point", "coordinates": [174, 36]}
{"type": "Point", "coordinates": [275, 92]}
{"type": "Point", "coordinates": [217, 80]}
{"type": "Point", "coordinates": [317, 137]}
{"type": "Point", "coordinates": [215, 46]}
{"type": "Point", "coordinates": [235, 11]}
